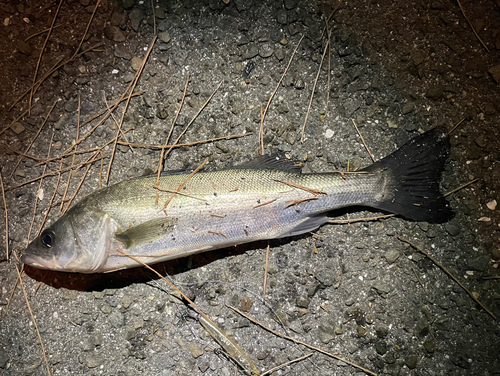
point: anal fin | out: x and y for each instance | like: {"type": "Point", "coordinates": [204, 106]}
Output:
{"type": "Point", "coordinates": [309, 224]}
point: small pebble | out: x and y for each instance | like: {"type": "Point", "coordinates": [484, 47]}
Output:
{"type": "Point", "coordinates": [136, 63]}
{"type": "Point", "coordinates": [329, 133]}
{"type": "Point", "coordinates": [93, 361]}
{"type": "Point", "coordinates": [492, 205]}
{"type": "Point", "coordinates": [392, 124]}
{"type": "Point", "coordinates": [20, 173]}
{"type": "Point", "coordinates": [452, 229]}
{"type": "Point", "coordinates": [17, 127]}
{"type": "Point", "coordinates": [164, 36]}
{"type": "Point", "coordinates": [196, 352]}
{"type": "Point", "coordinates": [114, 33]}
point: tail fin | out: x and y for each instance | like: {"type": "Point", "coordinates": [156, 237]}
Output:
{"type": "Point", "coordinates": [416, 170]}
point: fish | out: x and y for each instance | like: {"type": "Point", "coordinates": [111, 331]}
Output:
{"type": "Point", "coordinates": [266, 198]}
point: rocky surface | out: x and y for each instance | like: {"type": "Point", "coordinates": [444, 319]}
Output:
{"type": "Point", "coordinates": [397, 69]}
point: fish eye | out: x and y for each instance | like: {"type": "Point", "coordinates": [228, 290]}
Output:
{"type": "Point", "coordinates": [47, 238]}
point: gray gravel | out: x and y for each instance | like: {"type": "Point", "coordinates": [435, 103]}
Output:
{"type": "Point", "coordinates": [397, 69]}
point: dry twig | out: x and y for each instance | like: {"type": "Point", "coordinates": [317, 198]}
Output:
{"type": "Point", "coordinates": [130, 89]}
{"type": "Point", "coordinates": [33, 319]}
{"type": "Point", "coordinates": [86, 30]}
{"type": "Point", "coordinates": [74, 154]}
{"type": "Point", "coordinates": [349, 220]}
{"type": "Point", "coordinates": [286, 364]}
{"type": "Point", "coordinates": [38, 192]}
{"type": "Point", "coordinates": [184, 183]}
{"type": "Point", "coordinates": [301, 342]}
{"type": "Point", "coordinates": [34, 138]}
{"type": "Point", "coordinates": [106, 113]}
{"type": "Point", "coordinates": [6, 218]}
{"type": "Point", "coordinates": [441, 266]}
{"type": "Point", "coordinates": [50, 203]}
{"type": "Point", "coordinates": [472, 27]}
{"type": "Point", "coordinates": [174, 146]}
{"type": "Point", "coordinates": [313, 89]}
{"type": "Point", "coordinates": [41, 32]}
{"type": "Point", "coordinates": [295, 185]}
{"type": "Point", "coordinates": [160, 162]}
{"type": "Point", "coordinates": [461, 187]}
{"type": "Point", "coordinates": [50, 173]}
{"type": "Point", "coordinates": [227, 340]}
{"type": "Point", "coordinates": [41, 53]}
{"type": "Point", "coordinates": [364, 143]}
{"type": "Point", "coordinates": [263, 116]}
{"type": "Point", "coordinates": [17, 119]}
{"type": "Point", "coordinates": [456, 125]}
{"type": "Point", "coordinates": [266, 267]}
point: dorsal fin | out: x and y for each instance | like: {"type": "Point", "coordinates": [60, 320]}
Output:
{"type": "Point", "coordinates": [271, 162]}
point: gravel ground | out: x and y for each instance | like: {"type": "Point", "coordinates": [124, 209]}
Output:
{"type": "Point", "coordinates": [397, 69]}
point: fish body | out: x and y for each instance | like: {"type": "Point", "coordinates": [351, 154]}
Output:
{"type": "Point", "coordinates": [265, 199]}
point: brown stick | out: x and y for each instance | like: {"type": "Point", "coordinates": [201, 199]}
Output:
{"type": "Point", "coordinates": [295, 185]}
{"type": "Point", "coordinates": [132, 87]}
{"type": "Point", "coordinates": [301, 343]}
{"type": "Point", "coordinates": [472, 27]}
{"type": "Point", "coordinates": [286, 364]}
{"type": "Point", "coordinates": [87, 29]}
{"type": "Point", "coordinates": [41, 53]}
{"type": "Point", "coordinates": [313, 89]}
{"type": "Point", "coordinates": [50, 173]}
{"type": "Point", "coordinates": [26, 155]}
{"type": "Point", "coordinates": [61, 157]}
{"type": "Point", "coordinates": [364, 143]}
{"type": "Point", "coordinates": [456, 125]}
{"type": "Point", "coordinates": [74, 155]}
{"type": "Point", "coordinates": [34, 138]}
{"type": "Point", "coordinates": [106, 114]}
{"type": "Point", "coordinates": [264, 203]}
{"type": "Point", "coordinates": [115, 120]}
{"type": "Point", "coordinates": [6, 217]}
{"type": "Point", "coordinates": [77, 188]}
{"type": "Point", "coordinates": [184, 183]}
{"type": "Point", "coordinates": [461, 187]}
{"type": "Point", "coordinates": [278, 85]}
{"type": "Point", "coordinates": [41, 32]}
{"type": "Point", "coordinates": [36, 198]}
{"type": "Point", "coordinates": [441, 266]}
{"type": "Point", "coordinates": [300, 200]}
{"type": "Point", "coordinates": [160, 162]}
{"type": "Point", "coordinates": [178, 193]}
{"type": "Point", "coordinates": [266, 267]}
{"type": "Point", "coordinates": [17, 119]}
{"type": "Point", "coordinates": [361, 219]}
{"type": "Point", "coordinates": [33, 319]}
{"type": "Point", "coordinates": [174, 146]}
{"type": "Point", "coordinates": [198, 309]}
{"type": "Point", "coordinates": [261, 133]}
{"type": "Point", "coordinates": [50, 203]}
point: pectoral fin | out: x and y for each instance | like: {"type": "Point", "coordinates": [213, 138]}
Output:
{"type": "Point", "coordinates": [147, 232]}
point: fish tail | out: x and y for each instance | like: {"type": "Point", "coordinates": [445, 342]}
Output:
{"type": "Point", "coordinates": [414, 170]}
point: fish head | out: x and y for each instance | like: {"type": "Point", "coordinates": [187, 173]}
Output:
{"type": "Point", "coordinates": [53, 249]}
{"type": "Point", "coordinates": [76, 242]}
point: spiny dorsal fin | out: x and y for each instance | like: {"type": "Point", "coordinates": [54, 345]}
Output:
{"type": "Point", "coordinates": [271, 162]}
{"type": "Point", "coordinates": [147, 232]}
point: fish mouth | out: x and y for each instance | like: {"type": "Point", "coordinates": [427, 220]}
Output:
{"type": "Point", "coordinates": [39, 262]}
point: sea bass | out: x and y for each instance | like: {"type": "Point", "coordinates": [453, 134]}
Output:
{"type": "Point", "coordinates": [267, 198]}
